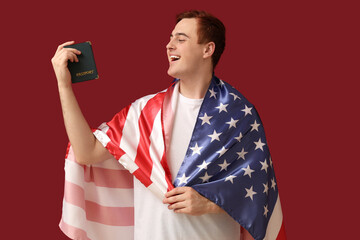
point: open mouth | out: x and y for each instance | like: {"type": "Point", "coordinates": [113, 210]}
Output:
{"type": "Point", "coordinates": [174, 58]}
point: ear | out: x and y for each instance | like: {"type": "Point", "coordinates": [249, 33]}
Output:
{"type": "Point", "coordinates": [209, 49]}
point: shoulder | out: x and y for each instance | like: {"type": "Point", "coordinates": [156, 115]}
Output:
{"type": "Point", "coordinates": [238, 102]}
{"type": "Point", "coordinates": [235, 97]}
{"type": "Point", "coordinates": [141, 102]}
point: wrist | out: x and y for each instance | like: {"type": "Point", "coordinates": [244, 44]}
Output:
{"type": "Point", "coordinates": [64, 86]}
{"type": "Point", "coordinates": [213, 208]}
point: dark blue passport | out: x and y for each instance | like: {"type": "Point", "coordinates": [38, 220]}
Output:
{"type": "Point", "coordinates": [85, 69]}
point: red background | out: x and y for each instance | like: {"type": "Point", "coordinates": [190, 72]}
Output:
{"type": "Point", "coordinates": [294, 61]}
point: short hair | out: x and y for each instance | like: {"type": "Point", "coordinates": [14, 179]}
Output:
{"type": "Point", "coordinates": [210, 29]}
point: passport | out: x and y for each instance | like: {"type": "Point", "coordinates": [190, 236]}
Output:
{"type": "Point", "coordinates": [85, 69]}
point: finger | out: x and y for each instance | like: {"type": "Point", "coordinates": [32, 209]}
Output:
{"type": "Point", "coordinates": [74, 56]}
{"type": "Point", "coordinates": [70, 56]}
{"type": "Point", "coordinates": [66, 53]}
{"type": "Point", "coordinates": [174, 199]}
{"type": "Point", "coordinates": [181, 210]}
{"type": "Point", "coordinates": [73, 50]}
{"type": "Point", "coordinates": [175, 191]}
{"type": "Point", "coordinates": [177, 206]}
{"type": "Point", "coordinates": [61, 46]}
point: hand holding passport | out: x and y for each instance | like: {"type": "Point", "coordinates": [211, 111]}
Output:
{"type": "Point", "coordinates": [85, 69]}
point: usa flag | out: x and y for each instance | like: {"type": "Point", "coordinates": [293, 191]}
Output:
{"type": "Point", "coordinates": [227, 161]}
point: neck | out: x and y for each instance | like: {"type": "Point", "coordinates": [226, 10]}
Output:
{"type": "Point", "coordinates": [196, 86]}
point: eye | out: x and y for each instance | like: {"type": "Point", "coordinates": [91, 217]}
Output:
{"type": "Point", "coordinates": [181, 40]}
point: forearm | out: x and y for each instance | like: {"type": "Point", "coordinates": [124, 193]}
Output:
{"type": "Point", "coordinates": [86, 148]}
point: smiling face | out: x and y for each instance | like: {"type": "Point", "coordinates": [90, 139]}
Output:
{"type": "Point", "coordinates": [184, 53]}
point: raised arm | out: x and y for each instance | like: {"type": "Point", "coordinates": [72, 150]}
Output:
{"type": "Point", "coordinates": [87, 148]}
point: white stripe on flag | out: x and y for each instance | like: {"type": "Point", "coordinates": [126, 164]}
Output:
{"type": "Point", "coordinates": [128, 163]}
{"type": "Point", "coordinates": [75, 216]}
{"type": "Point", "coordinates": [156, 152]}
{"type": "Point", "coordinates": [102, 137]}
{"type": "Point", "coordinates": [110, 197]}
{"type": "Point", "coordinates": [275, 222]}
{"type": "Point", "coordinates": [131, 135]}
{"type": "Point", "coordinates": [74, 173]}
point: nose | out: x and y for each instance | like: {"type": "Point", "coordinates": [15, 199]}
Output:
{"type": "Point", "coordinates": [170, 45]}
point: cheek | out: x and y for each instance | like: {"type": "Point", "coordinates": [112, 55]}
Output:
{"type": "Point", "coordinates": [194, 57]}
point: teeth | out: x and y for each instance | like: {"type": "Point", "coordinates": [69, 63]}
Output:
{"type": "Point", "coordinates": [174, 57]}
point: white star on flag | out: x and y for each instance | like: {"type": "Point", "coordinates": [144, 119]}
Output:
{"type": "Point", "coordinates": [230, 178]}
{"type": "Point", "coordinates": [264, 165]}
{"type": "Point", "coordinates": [247, 110]}
{"type": "Point", "coordinates": [203, 165]}
{"type": "Point", "coordinates": [255, 126]}
{"type": "Point", "coordinates": [250, 193]}
{"type": "Point", "coordinates": [205, 119]}
{"type": "Point", "coordinates": [222, 151]}
{"type": "Point", "coordinates": [214, 136]}
{"type": "Point", "coordinates": [183, 179]}
{"type": "Point", "coordinates": [222, 107]}
{"type": "Point", "coordinates": [232, 123]}
{"type": "Point", "coordinates": [248, 171]}
{"type": "Point", "coordinates": [273, 183]}
{"type": "Point", "coordinates": [235, 96]}
{"type": "Point", "coordinates": [239, 137]}
{"type": "Point", "coordinates": [196, 149]}
{"type": "Point", "coordinates": [270, 162]}
{"type": "Point", "coordinates": [206, 177]}
{"type": "Point", "coordinates": [212, 93]}
{"type": "Point", "coordinates": [224, 165]}
{"type": "Point", "coordinates": [241, 154]}
{"type": "Point", "coordinates": [266, 188]}
{"type": "Point", "coordinates": [259, 145]}
{"type": "Point", "coordinates": [266, 210]}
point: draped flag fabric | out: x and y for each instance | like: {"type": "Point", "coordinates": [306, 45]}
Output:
{"type": "Point", "coordinates": [227, 161]}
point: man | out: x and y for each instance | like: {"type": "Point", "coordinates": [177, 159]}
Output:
{"type": "Point", "coordinates": [195, 47]}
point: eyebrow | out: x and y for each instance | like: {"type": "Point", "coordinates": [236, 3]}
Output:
{"type": "Point", "coordinates": [180, 34]}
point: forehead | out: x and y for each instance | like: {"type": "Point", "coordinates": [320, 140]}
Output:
{"type": "Point", "coordinates": [187, 26]}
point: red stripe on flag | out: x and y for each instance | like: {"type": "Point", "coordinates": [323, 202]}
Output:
{"type": "Point", "coordinates": [116, 126]}
{"type": "Point", "coordinates": [110, 178]}
{"type": "Point", "coordinates": [67, 150]}
{"type": "Point", "coordinates": [74, 194]}
{"type": "Point", "coordinates": [143, 178]}
{"type": "Point", "coordinates": [115, 150]}
{"type": "Point", "coordinates": [115, 132]}
{"type": "Point", "coordinates": [115, 216]}
{"type": "Point", "coordinates": [73, 232]}
{"type": "Point", "coordinates": [146, 121]}
{"type": "Point", "coordinates": [282, 234]}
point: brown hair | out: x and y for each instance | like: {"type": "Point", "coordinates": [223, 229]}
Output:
{"type": "Point", "coordinates": [210, 29]}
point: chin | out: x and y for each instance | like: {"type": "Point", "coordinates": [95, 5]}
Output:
{"type": "Point", "coordinates": [172, 74]}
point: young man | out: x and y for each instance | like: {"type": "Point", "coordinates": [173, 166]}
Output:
{"type": "Point", "coordinates": [195, 47]}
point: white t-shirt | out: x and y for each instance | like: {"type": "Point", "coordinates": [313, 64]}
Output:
{"type": "Point", "coordinates": [153, 220]}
